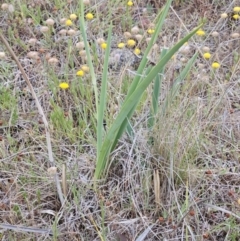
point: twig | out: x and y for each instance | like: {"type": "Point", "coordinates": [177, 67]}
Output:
{"type": "Point", "coordinates": [41, 112]}
{"type": "Point", "coordinates": [17, 228]}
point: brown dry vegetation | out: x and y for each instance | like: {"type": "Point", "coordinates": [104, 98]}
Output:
{"type": "Point", "coordinates": [184, 185]}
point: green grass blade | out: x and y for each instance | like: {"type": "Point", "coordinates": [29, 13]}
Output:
{"type": "Point", "coordinates": [126, 124]}
{"type": "Point", "coordinates": [186, 70]}
{"type": "Point", "coordinates": [179, 79]}
{"type": "Point", "coordinates": [103, 94]}
{"type": "Point", "coordinates": [130, 103]}
{"type": "Point", "coordinates": [89, 58]}
{"type": "Point", "coordinates": [156, 92]}
{"type": "Point", "coordinates": [160, 22]}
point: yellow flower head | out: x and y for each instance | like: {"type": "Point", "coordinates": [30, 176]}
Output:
{"type": "Point", "coordinates": [151, 31]}
{"type": "Point", "coordinates": [129, 3]}
{"type": "Point", "coordinates": [73, 16]}
{"type": "Point", "coordinates": [103, 45]}
{"type": "Point", "coordinates": [137, 51]}
{"type": "Point", "coordinates": [64, 85]}
{"type": "Point", "coordinates": [207, 55]}
{"type": "Point", "coordinates": [236, 16]}
{"type": "Point", "coordinates": [121, 45]}
{"type": "Point", "coordinates": [215, 65]}
{"type": "Point", "coordinates": [80, 73]}
{"type": "Point", "coordinates": [131, 43]}
{"type": "Point", "coordinates": [200, 32]}
{"type": "Point", "coordinates": [89, 16]}
{"type": "Point", "coordinates": [69, 22]}
{"type": "Point", "coordinates": [236, 9]}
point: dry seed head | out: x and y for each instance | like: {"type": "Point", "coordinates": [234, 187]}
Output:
{"type": "Point", "coordinates": [100, 40]}
{"type": "Point", "coordinates": [32, 41]}
{"type": "Point", "coordinates": [151, 25]}
{"type": "Point", "coordinates": [50, 22]}
{"type": "Point", "coordinates": [183, 60]}
{"type": "Point", "coordinates": [82, 53]}
{"type": "Point", "coordinates": [235, 35]}
{"type": "Point", "coordinates": [71, 32]}
{"type": "Point", "coordinates": [44, 29]}
{"type": "Point", "coordinates": [10, 8]}
{"type": "Point", "coordinates": [62, 32]}
{"type": "Point", "coordinates": [63, 21]}
{"type": "Point", "coordinates": [138, 37]}
{"type": "Point", "coordinates": [148, 40]}
{"type": "Point", "coordinates": [52, 170]}
{"type": "Point", "coordinates": [185, 49]}
{"type": "Point", "coordinates": [155, 47]}
{"type": "Point", "coordinates": [2, 55]}
{"type": "Point", "coordinates": [84, 58]}
{"type": "Point", "coordinates": [200, 66]}
{"type": "Point", "coordinates": [86, 2]}
{"type": "Point", "coordinates": [215, 34]}
{"type": "Point", "coordinates": [205, 49]}
{"type": "Point", "coordinates": [4, 6]}
{"type": "Point", "coordinates": [85, 68]}
{"type": "Point", "coordinates": [127, 35]}
{"type": "Point", "coordinates": [80, 45]}
{"type": "Point", "coordinates": [29, 21]}
{"type": "Point", "coordinates": [224, 15]}
{"type": "Point", "coordinates": [33, 55]}
{"type": "Point", "coordinates": [53, 60]}
{"type": "Point", "coordinates": [47, 56]}
{"type": "Point", "coordinates": [135, 30]}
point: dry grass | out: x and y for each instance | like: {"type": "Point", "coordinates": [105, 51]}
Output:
{"type": "Point", "coordinates": [183, 185]}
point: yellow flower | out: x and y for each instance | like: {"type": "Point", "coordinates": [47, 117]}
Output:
{"type": "Point", "coordinates": [137, 51]}
{"type": "Point", "coordinates": [236, 16]}
{"type": "Point", "coordinates": [121, 45]}
{"type": "Point", "coordinates": [89, 16]}
{"type": "Point", "coordinates": [151, 31]}
{"type": "Point", "coordinates": [69, 22]}
{"type": "Point", "coordinates": [80, 73]}
{"type": "Point", "coordinates": [131, 43]}
{"type": "Point", "coordinates": [200, 32]}
{"type": "Point", "coordinates": [207, 55]}
{"type": "Point", "coordinates": [73, 16]}
{"type": "Point", "coordinates": [215, 65]}
{"type": "Point", "coordinates": [64, 85]}
{"type": "Point", "coordinates": [129, 3]}
{"type": "Point", "coordinates": [236, 9]}
{"type": "Point", "coordinates": [103, 45]}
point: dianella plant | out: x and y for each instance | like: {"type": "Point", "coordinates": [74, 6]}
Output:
{"type": "Point", "coordinates": [145, 75]}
